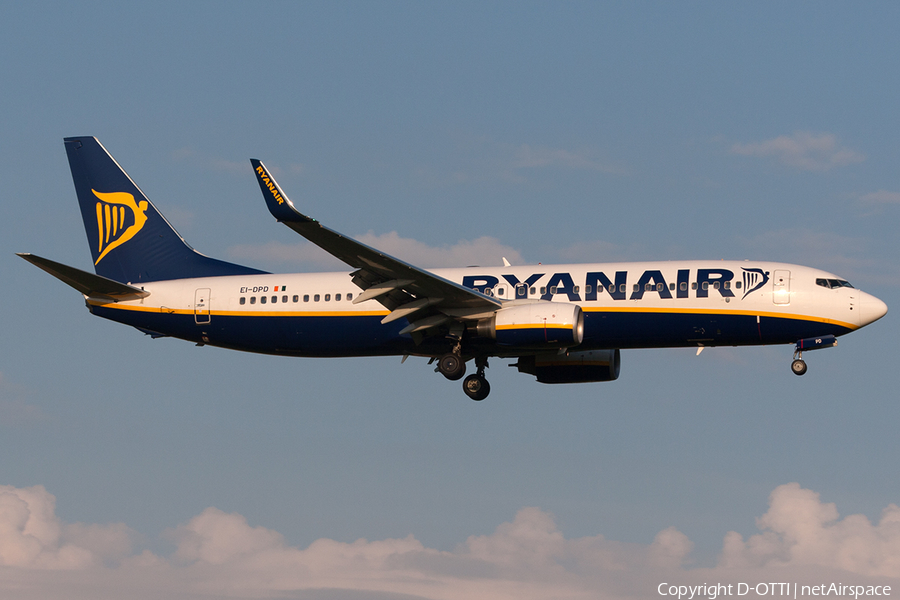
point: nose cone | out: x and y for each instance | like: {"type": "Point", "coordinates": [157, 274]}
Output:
{"type": "Point", "coordinates": [870, 309]}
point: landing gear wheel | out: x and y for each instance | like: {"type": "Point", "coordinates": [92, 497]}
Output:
{"type": "Point", "coordinates": [452, 366]}
{"type": "Point", "coordinates": [798, 367]}
{"type": "Point", "coordinates": [476, 387]}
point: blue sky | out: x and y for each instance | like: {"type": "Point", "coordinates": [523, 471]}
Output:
{"type": "Point", "coordinates": [449, 134]}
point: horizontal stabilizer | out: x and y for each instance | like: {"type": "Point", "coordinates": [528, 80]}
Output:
{"type": "Point", "coordinates": [95, 286]}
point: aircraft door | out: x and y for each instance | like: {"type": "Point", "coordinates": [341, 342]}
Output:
{"type": "Point", "coordinates": [201, 306]}
{"type": "Point", "coordinates": [781, 287]}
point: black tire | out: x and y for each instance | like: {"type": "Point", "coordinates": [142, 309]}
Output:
{"type": "Point", "coordinates": [798, 367]}
{"type": "Point", "coordinates": [452, 366]}
{"type": "Point", "coordinates": [476, 387]}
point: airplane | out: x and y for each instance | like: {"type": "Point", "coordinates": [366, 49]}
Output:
{"type": "Point", "coordinates": [561, 323]}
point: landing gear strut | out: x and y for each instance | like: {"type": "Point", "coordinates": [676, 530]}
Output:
{"type": "Point", "coordinates": [799, 365]}
{"type": "Point", "coordinates": [476, 386]}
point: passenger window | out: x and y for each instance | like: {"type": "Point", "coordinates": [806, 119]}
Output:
{"type": "Point", "coordinates": [284, 299]}
{"type": "Point", "coordinates": [262, 299]}
{"type": "Point", "coordinates": [501, 291]}
{"type": "Point", "coordinates": [543, 291]}
{"type": "Point", "coordinates": [637, 288]}
{"type": "Point", "coordinates": [727, 285]}
{"type": "Point", "coordinates": [705, 285]}
{"type": "Point", "coordinates": [621, 288]}
{"type": "Point", "coordinates": [532, 291]}
{"type": "Point", "coordinates": [672, 286]}
{"type": "Point", "coordinates": [552, 289]}
{"type": "Point", "coordinates": [316, 298]}
{"type": "Point", "coordinates": [694, 285]}
{"type": "Point", "coordinates": [587, 289]}
{"type": "Point", "coordinates": [274, 299]}
{"type": "Point", "coordinates": [737, 284]}
{"type": "Point", "coordinates": [659, 287]}
{"type": "Point", "coordinates": [306, 297]}
{"type": "Point", "coordinates": [612, 288]}
{"type": "Point", "coordinates": [243, 300]}
{"type": "Point", "coordinates": [648, 287]}
{"type": "Point", "coordinates": [575, 289]}
{"type": "Point", "coordinates": [337, 297]}
{"type": "Point", "coordinates": [349, 297]}
{"type": "Point", "coordinates": [715, 285]}
{"type": "Point", "coordinates": [683, 286]}
{"type": "Point", "coordinates": [327, 297]}
{"type": "Point", "coordinates": [252, 299]}
{"type": "Point", "coordinates": [296, 299]}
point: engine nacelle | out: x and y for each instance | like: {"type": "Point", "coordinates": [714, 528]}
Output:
{"type": "Point", "coordinates": [574, 367]}
{"type": "Point", "coordinates": [536, 325]}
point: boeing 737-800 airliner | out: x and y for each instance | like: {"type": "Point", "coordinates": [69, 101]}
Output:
{"type": "Point", "coordinates": [561, 323]}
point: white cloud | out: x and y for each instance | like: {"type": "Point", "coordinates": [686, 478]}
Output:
{"type": "Point", "coordinates": [218, 554]}
{"type": "Point", "coordinates": [527, 156]}
{"type": "Point", "coordinates": [881, 197]}
{"type": "Point", "coordinates": [14, 409]}
{"type": "Point", "coordinates": [481, 251]}
{"type": "Point", "coordinates": [803, 150]}
{"type": "Point", "coordinates": [843, 255]}
{"type": "Point", "coordinates": [484, 159]}
{"type": "Point", "coordinates": [800, 530]}
{"type": "Point", "coordinates": [210, 163]}
{"type": "Point", "coordinates": [32, 536]}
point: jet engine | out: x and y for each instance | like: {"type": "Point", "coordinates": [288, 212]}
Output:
{"type": "Point", "coordinates": [573, 367]}
{"type": "Point", "coordinates": [535, 325]}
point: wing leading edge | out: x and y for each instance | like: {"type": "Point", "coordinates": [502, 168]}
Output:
{"type": "Point", "coordinates": [424, 298]}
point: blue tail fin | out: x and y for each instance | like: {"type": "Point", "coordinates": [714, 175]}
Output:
{"type": "Point", "coordinates": [130, 240]}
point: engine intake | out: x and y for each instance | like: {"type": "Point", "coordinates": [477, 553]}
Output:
{"type": "Point", "coordinates": [574, 367]}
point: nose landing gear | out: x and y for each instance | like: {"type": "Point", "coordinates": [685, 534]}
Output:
{"type": "Point", "coordinates": [799, 365]}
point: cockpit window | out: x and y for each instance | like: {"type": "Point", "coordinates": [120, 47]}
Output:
{"type": "Point", "coordinates": [833, 283]}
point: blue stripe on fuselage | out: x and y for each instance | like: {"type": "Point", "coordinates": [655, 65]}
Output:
{"type": "Point", "coordinates": [364, 335]}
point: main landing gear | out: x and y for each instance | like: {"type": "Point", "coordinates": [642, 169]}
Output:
{"type": "Point", "coordinates": [453, 367]}
{"type": "Point", "coordinates": [476, 386]}
{"type": "Point", "coordinates": [798, 366]}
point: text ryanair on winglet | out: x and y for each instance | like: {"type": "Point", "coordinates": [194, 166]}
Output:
{"type": "Point", "coordinates": [268, 181]}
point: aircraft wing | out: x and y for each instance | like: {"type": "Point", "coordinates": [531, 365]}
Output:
{"type": "Point", "coordinates": [399, 286]}
{"type": "Point", "coordinates": [94, 286]}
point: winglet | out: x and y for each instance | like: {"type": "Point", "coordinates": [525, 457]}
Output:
{"type": "Point", "coordinates": [277, 202]}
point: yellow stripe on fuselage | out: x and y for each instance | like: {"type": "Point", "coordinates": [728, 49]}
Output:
{"type": "Point", "coordinates": [240, 313]}
{"type": "Point", "coordinates": [381, 313]}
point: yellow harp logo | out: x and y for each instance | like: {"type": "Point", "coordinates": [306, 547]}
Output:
{"type": "Point", "coordinates": [119, 219]}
